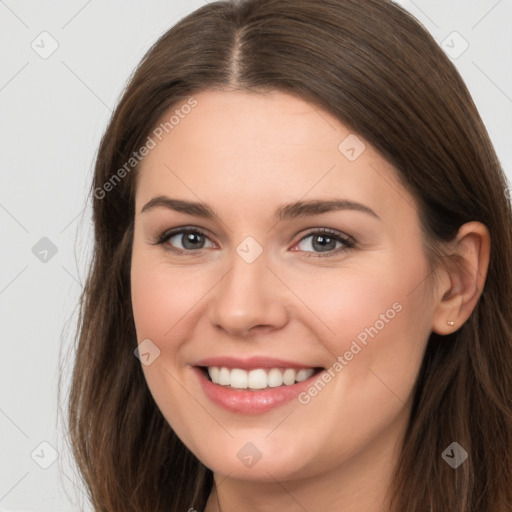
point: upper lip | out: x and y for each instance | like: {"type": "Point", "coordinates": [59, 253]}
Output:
{"type": "Point", "coordinates": [251, 363]}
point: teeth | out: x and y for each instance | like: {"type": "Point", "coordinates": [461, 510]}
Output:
{"type": "Point", "coordinates": [302, 375]}
{"type": "Point", "coordinates": [289, 376]}
{"type": "Point", "coordinates": [274, 378]}
{"type": "Point", "coordinates": [224, 377]}
{"type": "Point", "coordinates": [259, 378]}
{"type": "Point", "coordinates": [239, 378]}
{"type": "Point", "coordinates": [214, 373]}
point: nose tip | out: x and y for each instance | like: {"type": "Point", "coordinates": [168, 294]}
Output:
{"type": "Point", "coordinates": [248, 300]}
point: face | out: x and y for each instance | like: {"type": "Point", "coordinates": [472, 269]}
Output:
{"type": "Point", "coordinates": [279, 287]}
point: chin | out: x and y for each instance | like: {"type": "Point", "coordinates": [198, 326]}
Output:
{"type": "Point", "coordinates": [261, 461]}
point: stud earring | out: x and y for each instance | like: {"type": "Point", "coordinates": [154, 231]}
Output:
{"type": "Point", "coordinates": [450, 323]}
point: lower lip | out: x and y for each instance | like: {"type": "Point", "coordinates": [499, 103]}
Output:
{"type": "Point", "coordinates": [251, 402]}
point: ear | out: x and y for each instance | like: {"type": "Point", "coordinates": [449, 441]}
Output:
{"type": "Point", "coordinates": [462, 278]}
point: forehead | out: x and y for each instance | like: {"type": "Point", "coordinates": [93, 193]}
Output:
{"type": "Point", "coordinates": [247, 149]}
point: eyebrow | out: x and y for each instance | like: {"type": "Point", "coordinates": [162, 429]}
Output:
{"type": "Point", "coordinates": [284, 212]}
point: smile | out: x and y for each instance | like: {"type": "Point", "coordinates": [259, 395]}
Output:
{"type": "Point", "coordinates": [255, 385]}
{"type": "Point", "coordinates": [259, 378]}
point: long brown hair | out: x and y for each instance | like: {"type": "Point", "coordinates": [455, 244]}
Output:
{"type": "Point", "coordinates": [373, 66]}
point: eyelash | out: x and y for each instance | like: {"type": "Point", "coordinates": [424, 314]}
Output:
{"type": "Point", "coordinates": [347, 241]}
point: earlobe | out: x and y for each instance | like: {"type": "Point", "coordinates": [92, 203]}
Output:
{"type": "Point", "coordinates": [464, 273]}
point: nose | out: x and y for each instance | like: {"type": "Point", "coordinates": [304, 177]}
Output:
{"type": "Point", "coordinates": [249, 299]}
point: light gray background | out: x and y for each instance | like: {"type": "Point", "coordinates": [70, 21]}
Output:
{"type": "Point", "coordinates": [53, 111]}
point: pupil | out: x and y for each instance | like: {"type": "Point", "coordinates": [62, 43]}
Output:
{"type": "Point", "coordinates": [324, 243]}
{"type": "Point", "coordinates": [190, 238]}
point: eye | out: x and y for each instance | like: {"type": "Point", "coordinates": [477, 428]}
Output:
{"type": "Point", "coordinates": [185, 240]}
{"type": "Point", "coordinates": [325, 241]}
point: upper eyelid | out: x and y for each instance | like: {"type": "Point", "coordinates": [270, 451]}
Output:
{"type": "Point", "coordinates": [166, 234]}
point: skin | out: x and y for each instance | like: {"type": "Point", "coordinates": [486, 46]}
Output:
{"type": "Point", "coordinates": [246, 154]}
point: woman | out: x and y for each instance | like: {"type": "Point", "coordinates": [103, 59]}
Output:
{"type": "Point", "coordinates": [303, 234]}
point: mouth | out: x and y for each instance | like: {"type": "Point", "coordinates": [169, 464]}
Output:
{"type": "Point", "coordinates": [255, 385]}
{"type": "Point", "coordinates": [257, 378]}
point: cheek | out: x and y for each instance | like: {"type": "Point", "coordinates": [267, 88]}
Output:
{"type": "Point", "coordinates": [163, 299]}
{"type": "Point", "coordinates": [376, 319]}
{"type": "Point", "coordinates": [350, 303]}
{"type": "Point", "coordinates": [163, 295]}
